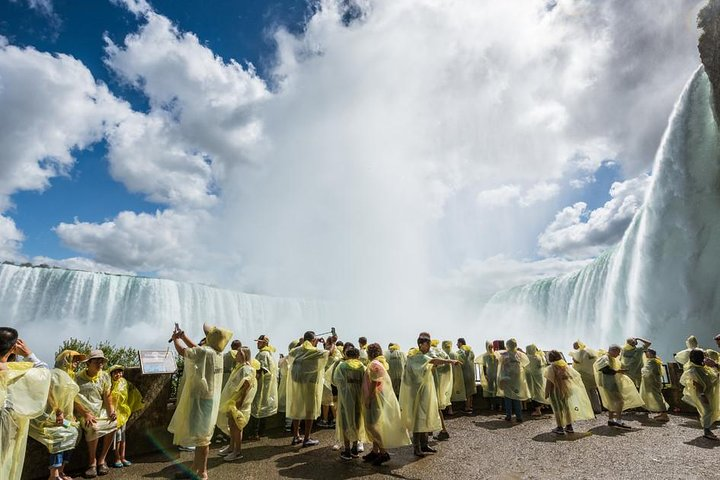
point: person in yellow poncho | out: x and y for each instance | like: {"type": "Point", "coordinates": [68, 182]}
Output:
{"type": "Point", "coordinates": [329, 393]}
{"type": "Point", "coordinates": [651, 387]}
{"type": "Point", "coordinates": [632, 358]}
{"type": "Point", "coordinates": [381, 410]}
{"type": "Point", "coordinates": [583, 359]}
{"type": "Point", "coordinates": [458, 389]}
{"type": "Point", "coordinates": [347, 377]}
{"type": "Point", "coordinates": [443, 377]}
{"type": "Point", "coordinates": [24, 388]}
{"type": "Point", "coordinates": [488, 363]}
{"type": "Point", "coordinates": [511, 382]}
{"type": "Point", "coordinates": [127, 400]}
{"type": "Point", "coordinates": [229, 360]}
{"type": "Point", "coordinates": [193, 421]}
{"type": "Point", "coordinates": [94, 395]}
{"type": "Point", "coordinates": [57, 428]}
{"type": "Point", "coordinates": [236, 402]}
{"type": "Point", "coordinates": [306, 364]}
{"type": "Point", "coordinates": [265, 403]}
{"type": "Point", "coordinates": [396, 360]}
{"type": "Point", "coordinates": [282, 385]}
{"type": "Point", "coordinates": [617, 390]}
{"type": "Point", "coordinates": [535, 378]}
{"type": "Point", "coordinates": [362, 347]}
{"type": "Point", "coordinates": [418, 399]}
{"type": "Point", "coordinates": [683, 356]}
{"type": "Point", "coordinates": [466, 356]}
{"type": "Point", "coordinates": [702, 391]}
{"type": "Point", "coordinates": [566, 392]}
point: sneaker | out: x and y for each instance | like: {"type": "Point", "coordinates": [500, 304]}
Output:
{"type": "Point", "coordinates": [558, 431]}
{"type": "Point", "coordinates": [442, 435]}
{"type": "Point", "coordinates": [427, 449]}
{"type": "Point", "coordinates": [710, 435]}
{"type": "Point", "coordinates": [508, 419]}
{"type": "Point", "coordinates": [322, 423]}
{"type": "Point", "coordinates": [224, 451]}
{"type": "Point", "coordinates": [612, 423]}
{"type": "Point", "coordinates": [310, 442]}
{"type": "Point", "coordinates": [336, 446]}
{"type": "Point", "coordinates": [354, 452]}
{"type": "Point", "coordinates": [622, 425]}
{"type": "Point", "coordinates": [296, 441]}
{"type": "Point", "coordinates": [117, 464]}
{"type": "Point", "coordinates": [346, 455]}
{"type": "Point", "coordinates": [381, 458]}
{"type": "Point", "coordinates": [233, 456]}
{"type": "Point", "coordinates": [569, 429]}
{"type": "Point", "coordinates": [126, 463]}
{"type": "Point", "coordinates": [186, 449]}
{"type": "Point", "coordinates": [370, 457]}
{"type": "Point", "coordinates": [360, 447]}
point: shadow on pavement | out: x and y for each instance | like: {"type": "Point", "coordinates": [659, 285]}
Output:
{"type": "Point", "coordinates": [646, 421]}
{"type": "Point", "coordinates": [703, 442]}
{"type": "Point", "coordinates": [607, 431]}
{"type": "Point", "coordinates": [553, 437]}
{"type": "Point", "coordinates": [495, 424]}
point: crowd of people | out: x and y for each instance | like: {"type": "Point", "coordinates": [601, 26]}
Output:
{"type": "Point", "coordinates": [374, 398]}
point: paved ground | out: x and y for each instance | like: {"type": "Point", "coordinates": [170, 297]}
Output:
{"type": "Point", "coordinates": [482, 446]}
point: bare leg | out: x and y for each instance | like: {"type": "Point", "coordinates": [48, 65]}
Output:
{"type": "Point", "coordinates": [296, 428]}
{"type": "Point", "coordinates": [107, 443]}
{"type": "Point", "coordinates": [92, 451]}
{"type": "Point", "coordinates": [308, 428]}
{"type": "Point", "coordinates": [200, 461]}
{"type": "Point", "coordinates": [121, 450]}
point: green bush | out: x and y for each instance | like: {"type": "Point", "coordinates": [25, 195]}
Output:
{"type": "Point", "coordinates": [125, 356]}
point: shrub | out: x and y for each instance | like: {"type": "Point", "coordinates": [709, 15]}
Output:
{"type": "Point", "coordinates": [126, 356]}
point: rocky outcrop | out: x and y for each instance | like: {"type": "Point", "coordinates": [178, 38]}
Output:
{"type": "Point", "coordinates": [709, 46]}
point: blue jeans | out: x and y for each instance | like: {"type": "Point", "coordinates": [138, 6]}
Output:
{"type": "Point", "coordinates": [57, 459]}
{"type": "Point", "coordinates": [513, 405]}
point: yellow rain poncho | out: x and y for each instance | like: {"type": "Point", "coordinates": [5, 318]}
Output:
{"type": "Point", "coordinates": [632, 360]}
{"type": "Point", "coordinates": [195, 415]}
{"type": "Point", "coordinates": [512, 382]}
{"type": "Point", "coordinates": [617, 391]}
{"type": "Point", "coordinates": [583, 362]}
{"type": "Point", "coordinates": [383, 420]}
{"type": "Point", "coordinates": [443, 377]}
{"type": "Point", "coordinates": [363, 354]}
{"type": "Point", "coordinates": [265, 403]}
{"type": "Point", "coordinates": [306, 365]}
{"type": "Point", "coordinates": [488, 363]}
{"type": "Point", "coordinates": [699, 379]}
{"type": "Point", "coordinates": [418, 398]}
{"type": "Point", "coordinates": [90, 396]}
{"type": "Point", "coordinates": [334, 358]}
{"type": "Point", "coordinates": [467, 363]}
{"type": "Point", "coordinates": [23, 396]}
{"type": "Point", "coordinates": [348, 378]}
{"type": "Point", "coordinates": [63, 390]}
{"type": "Point", "coordinates": [283, 378]}
{"type": "Point", "coordinates": [568, 398]}
{"type": "Point", "coordinates": [651, 386]}
{"type": "Point", "coordinates": [458, 387]}
{"type": "Point", "coordinates": [396, 359]}
{"type": "Point", "coordinates": [683, 356]}
{"type": "Point", "coordinates": [241, 374]}
{"type": "Point", "coordinates": [534, 374]}
{"type": "Point", "coordinates": [127, 400]}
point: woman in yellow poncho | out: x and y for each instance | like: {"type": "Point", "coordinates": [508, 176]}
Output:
{"type": "Point", "coordinates": [583, 359]}
{"type": "Point", "coordinates": [396, 361]}
{"type": "Point", "coordinates": [236, 402]}
{"type": "Point", "coordinates": [702, 391]}
{"type": "Point", "coordinates": [651, 386]}
{"type": "Point", "coordinates": [632, 358]}
{"type": "Point", "coordinates": [57, 428]}
{"type": "Point", "coordinates": [467, 361]}
{"type": "Point", "coordinates": [127, 400]}
{"type": "Point", "coordinates": [94, 396]}
{"type": "Point", "coordinates": [306, 364]}
{"type": "Point", "coordinates": [195, 415]}
{"type": "Point", "coordinates": [617, 390]}
{"type": "Point", "coordinates": [282, 385]}
{"type": "Point", "coordinates": [418, 399]}
{"type": "Point", "coordinates": [381, 410]}
{"type": "Point", "coordinates": [511, 382]}
{"type": "Point", "coordinates": [566, 392]}
{"type": "Point", "coordinates": [443, 377]}
{"type": "Point", "coordinates": [265, 403]}
{"type": "Point", "coordinates": [535, 378]}
{"type": "Point", "coordinates": [23, 394]}
{"type": "Point", "coordinates": [458, 389]}
{"type": "Point", "coordinates": [347, 377]}
{"type": "Point", "coordinates": [488, 363]}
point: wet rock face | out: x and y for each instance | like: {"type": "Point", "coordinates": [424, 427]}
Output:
{"type": "Point", "coordinates": [709, 46]}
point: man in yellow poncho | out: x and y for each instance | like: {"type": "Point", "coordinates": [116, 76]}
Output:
{"type": "Point", "coordinates": [443, 377]}
{"type": "Point", "coordinates": [466, 356]}
{"type": "Point", "coordinates": [229, 360]}
{"type": "Point", "coordinates": [488, 363]}
{"type": "Point", "coordinates": [583, 360]}
{"type": "Point", "coordinates": [512, 383]}
{"type": "Point", "coordinates": [566, 392]}
{"type": "Point", "coordinates": [282, 384]}
{"type": "Point", "coordinates": [347, 377]}
{"type": "Point", "coordinates": [330, 393]}
{"type": "Point", "coordinates": [396, 360]}
{"type": "Point", "coordinates": [617, 391]}
{"type": "Point", "coordinates": [362, 346]}
{"type": "Point", "coordinates": [683, 356]}
{"type": "Point", "coordinates": [57, 428]}
{"type": "Point", "coordinates": [195, 415]}
{"type": "Point", "coordinates": [24, 390]}
{"type": "Point", "coordinates": [632, 358]}
{"type": "Point", "coordinates": [458, 388]}
{"type": "Point", "coordinates": [265, 403]}
{"type": "Point", "coordinates": [535, 378]}
{"type": "Point", "coordinates": [702, 391]}
{"type": "Point", "coordinates": [306, 366]}
{"type": "Point", "coordinates": [236, 402]}
{"type": "Point", "coordinates": [651, 386]}
{"type": "Point", "coordinates": [127, 400]}
{"type": "Point", "coordinates": [418, 399]}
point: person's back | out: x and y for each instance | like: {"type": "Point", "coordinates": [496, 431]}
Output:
{"type": "Point", "coordinates": [396, 360]}
{"type": "Point", "coordinates": [348, 377]}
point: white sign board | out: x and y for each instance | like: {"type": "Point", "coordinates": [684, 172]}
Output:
{"type": "Point", "coordinates": [157, 361]}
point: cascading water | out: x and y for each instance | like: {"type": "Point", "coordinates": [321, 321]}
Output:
{"type": "Point", "coordinates": [49, 305]}
{"type": "Point", "coordinates": [663, 279]}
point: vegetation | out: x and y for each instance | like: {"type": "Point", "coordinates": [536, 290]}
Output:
{"type": "Point", "coordinates": [115, 355]}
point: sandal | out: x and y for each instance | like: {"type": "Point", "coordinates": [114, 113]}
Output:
{"type": "Point", "coordinates": [117, 464]}
{"type": "Point", "coordinates": [102, 469]}
{"type": "Point", "coordinates": [126, 463]}
{"type": "Point", "coordinates": [91, 472]}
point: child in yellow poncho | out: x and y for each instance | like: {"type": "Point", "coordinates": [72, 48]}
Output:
{"type": "Point", "coordinates": [236, 402]}
{"type": "Point", "coordinates": [702, 391]}
{"type": "Point", "coordinates": [466, 356]}
{"type": "Point", "coordinates": [535, 378]}
{"type": "Point", "coordinates": [127, 400]}
{"type": "Point", "coordinates": [488, 363]}
{"type": "Point", "coordinates": [651, 386]}
{"type": "Point", "coordinates": [566, 392]}
{"type": "Point", "coordinates": [347, 376]}
{"type": "Point", "coordinates": [458, 387]}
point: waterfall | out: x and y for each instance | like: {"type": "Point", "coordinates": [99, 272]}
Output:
{"type": "Point", "coordinates": [49, 305]}
{"type": "Point", "coordinates": [663, 279]}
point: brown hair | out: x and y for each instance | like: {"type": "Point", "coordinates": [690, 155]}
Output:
{"type": "Point", "coordinates": [374, 350]}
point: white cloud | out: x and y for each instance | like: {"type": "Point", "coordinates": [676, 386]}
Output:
{"type": "Point", "coordinates": [10, 240]}
{"type": "Point", "coordinates": [80, 263]}
{"type": "Point", "coordinates": [43, 6]}
{"type": "Point", "coordinates": [577, 233]}
{"type": "Point", "coordinates": [509, 194]}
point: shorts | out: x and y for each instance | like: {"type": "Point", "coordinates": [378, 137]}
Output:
{"type": "Point", "coordinates": [58, 459]}
{"type": "Point", "coordinates": [119, 435]}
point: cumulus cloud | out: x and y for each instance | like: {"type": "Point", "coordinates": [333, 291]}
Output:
{"type": "Point", "coordinates": [579, 233]}
{"type": "Point", "coordinates": [507, 194]}
{"type": "Point", "coordinates": [10, 239]}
